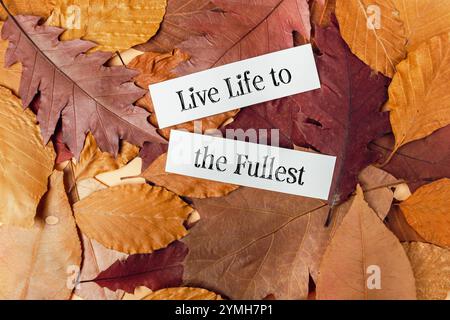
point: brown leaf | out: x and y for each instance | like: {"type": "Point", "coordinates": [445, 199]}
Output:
{"type": "Point", "coordinates": [114, 25]}
{"type": "Point", "coordinates": [183, 185]}
{"type": "Point", "coordinates": [396, 222]}
{"type": "Point", "coordinates": [428, 212]}
{"type": "Point", "coordinates": [321, 11]}
{"type": "Point", "coordinates": [419, 102]}
{"type": "Point", "coordinates": [41, 8]}
{"type": "Point", "coordinates": [431, 266]}
{"type": "Point", "coordinates": [253, 243]}
{"type": "Point", "coordinates": [144, 218]}
{"type": "Point", "coordinates": [360, 245]}
{"type": "Point", "coordinates": [25, 163]}
{"type": "Point", "coordinates": [38, 263]}
{"type": "Point", "coordinates": [9, 77]}
{"type": "Point", "coordinates": [183, 294]}
{"type": "Point", "coordinates": [381, 48]}
{"type": "Point", "coordinates": [173, 30]}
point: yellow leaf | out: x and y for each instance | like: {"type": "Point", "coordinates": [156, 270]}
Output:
{"type": "Point", "coordinates": [25, 163]}
{"type": "Point", "coordinates": [40, 8]}
{"type": "Point", "coordinates": [128, 174]}
{"type": "Point", "coordinates": [133, 218]}
{"type": "Point", "coordinates": [423, 19]}
{"type": "Point", "coordinates": [183, 294]}
{"type": "Point", "coordinates": [113, 24]}
{"type": "Point", "coordinates": [431, 266]}
{"type": "Point", "coordinates": [419, 100]}
{"type": "Point", "coordinates": [9, 77]}
{"type": "Point", "coordinates": [428, 212]}
{"type": "Point", "coordinates": [183, 185]}
{"type": "Point", "coordinates": [374, 32]}
{"type": "Point", "coordinates": [42, 262]}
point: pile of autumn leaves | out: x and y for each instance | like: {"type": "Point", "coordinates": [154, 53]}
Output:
{"type": "Point", "coordinates": [97, 226]}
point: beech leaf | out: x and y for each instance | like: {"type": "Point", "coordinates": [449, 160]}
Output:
{"type": "Point", "coordinates": [37, 263]}
{"type": "Point", "coordinates": [157, 270]}
{"type": "Point", "coordinates": [428, 212]}
{"type": "Point", "coordinates": [100, 102]}
{"type": "Point", "coordinates": [363, 247]}
{"type": "Point", "coordinates": [253, 243]}
{"type": "Point", "coordinates": [36, 7]}
{"type": "Point", "coordinates": [144, 218]}
{"type": "Point", "coordinates": [26, 163]}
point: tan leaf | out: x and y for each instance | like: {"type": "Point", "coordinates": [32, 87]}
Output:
{"type": "Point", "coordinates": [183, 185]}
{"type": "Point", "coordinates": [128, 174]}
{"type": "Point", "coordinates": [93, 161]}
{"type": "Point", "coordinates": [377, 184]}
{"type": "Point", "coordinates": [9, 77]}
{"type": "Point", "coordinates": [381, 48]}
{"type": "Point", "coordinates": [419, 100]}
{"type": "Point", "coordinates": [361, 250]}
{"type": "Point", "coordinates": [431, 266]}
{"type": "Point", "coordinates": [38, 263]}
{"type": "Point", "coordinates": [428, 212]}
{"type": "Point", "coordinates": [25, 163]}
{"type": "Point", "coordinates": [423, 19]}
{"type": "Point", "coordinates": [40, 8]}
{"type": "Point", "coordinates": [183, 294]}
{"type": "Point", "coordinates": [124, 58]}
{"type": "Point", "coordinates": [113, 24]}
{"type": "Point", "coordinates": [158, 67]}
{"type": "Point", "coordinates": [253, 243]}
{"type": "Point", "coordinates": [133, 218]}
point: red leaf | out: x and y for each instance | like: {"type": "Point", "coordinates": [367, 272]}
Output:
{"type": "Point", "coordinates": [76, 86]}
{"type": "Point", "coordinates": [157, 270]}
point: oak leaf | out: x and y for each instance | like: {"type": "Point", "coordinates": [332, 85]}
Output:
{"type": "Point", "coordinates": [382, 47]}
{"type": "Point", "coordinates": [183, 185]}
{"type": "Point", "coordinates": [76, 86]}
{"type": "Point", "coordinates": [253, 243]}
{"type": "Point", "coordinates": [114, 25]}
{"type": "Point", "coordinates": [26, 163]}
{"type": "Point", "coordinates": [37, 263]}
{"type": "Point", "coordinates": [428, 212]}
{"type": "Point", "coordinates": [9, 77]}
{"type": "Point", "coordinates": [144, 218]}
{"type": "Point", "coordinates": [419, 102]}
{"type": "Point", "coordinates": [173, 28]}
{"type": "Point", "coordinates": [431, 266]}
{"type": "Point", "coordinates": [183, 293]}
{"type": "Point", "coordinates": [157, 270]}
{"type": "Point", "coordinates": [361, 246]}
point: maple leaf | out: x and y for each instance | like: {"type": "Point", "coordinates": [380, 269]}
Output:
{"type": "Point", "coordinates": [253, 243]}
{"type": "Point", "coordinates": [360, 242]}
{"type": "Point", "coordinates": [157, 270]}
{"type": "Point", "coordinates": [241, 30]}
{"type": "Point", "coordinates": [416, 162]}
{"type": "Point", "coordinates": [76, 87]}
{"type": "Point", "coordinates": [173, 30]}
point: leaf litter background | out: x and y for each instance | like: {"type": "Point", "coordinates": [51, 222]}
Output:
{"type": "Point", "coordinates": [88, 212]}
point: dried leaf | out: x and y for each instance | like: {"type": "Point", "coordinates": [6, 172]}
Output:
{"type": "Point", "coordinates": [253, 243]}
{"type": "Point", "coordinates": [25, 163]}
{"type": "Point", "coordinates": [173, 30]}
{"type": "Point", "coordinates": [396, 222]}
{"type": "Point", "coordinates": [144, 218]}
{"type": "Point", "coordinates": [157, 270]}
{"type": "Point", "coordinates": [41, 8]}
{"type": "Point", "coordinates": [9, 77]}
{"type": "Point", "coordinates": [113, 24]}
{"type": "Point", "coordinates": [183, 294]}
{"type": "Point", "coordinates": [183, 185]}
{"type": "Point", "coordinates": [128, 174]}
{"type": "Point", "coordinates": [431, 266]}
{"type": "Point", "coordinates": [380, 46]}
{"type": "Point", "coordinates": [421, 106]}
{"type": "Point", "coordinates": [428, 212]}
{"type": "Point", "coordinates": [38, 263]}
{"type": "Point", "coordinates": [361, 249]}
{"type": "Point", "coordinates": [321, 11]}
{"type": "Point", "coordinates": [241, 30]}
{"type": "Point", "coordinates": [150, 152]}
{"type": "Point", "coordinates": [86, 103]}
